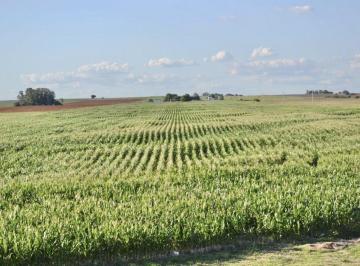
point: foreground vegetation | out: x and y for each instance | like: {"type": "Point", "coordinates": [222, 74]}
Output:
{"type": "Point", "coordinates": [135, 179]}
{"type": "Point", "coordinates": [280, 254]}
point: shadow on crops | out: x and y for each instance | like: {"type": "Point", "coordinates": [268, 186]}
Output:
{"type": "Point", "coordinates": [218, 254]}
{"type": "Point", "coordinates": [238, 252]}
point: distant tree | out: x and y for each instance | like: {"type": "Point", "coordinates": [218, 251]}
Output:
{"type": "Point", "coordinates": [39, 96]}
{"type": "Point", "coordinates": [195, 97]}
{"type": "Point", "coordinates": [186, 98]}
{"type": "Point", "coordinates": [216, 96]}
{"type": "Point", "coordinates": [171, 97]}
{"type": "Point", "coordinates": [168, 97]}
{"type": "Point", "coordinates": [318, 92]}
{"type": "Point", "coordinates": [345, 92]}
{"type": "Point", "coordinates": [205, 94]}
{"type": "Point", "coordinates": [21, 99]}
{"type": "Point", "coordinates": [93, 96]}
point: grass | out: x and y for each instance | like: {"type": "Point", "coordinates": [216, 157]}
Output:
{"type": "Point", "coordinates": [6, 103]}
{"type": "Point", "coordinates": [138, 179]}
{"type": "Point", "coordinates": [268, 255]}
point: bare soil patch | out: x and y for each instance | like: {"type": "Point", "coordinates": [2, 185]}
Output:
{"type": "Point", "coordinates": [70, 105]}
{"type": "Point", "coordinates": [334, 245]}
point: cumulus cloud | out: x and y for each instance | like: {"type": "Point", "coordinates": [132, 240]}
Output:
{"type": "Point", "coordinates": [150, 78]}
{"type": "Point", "coordinates": [91, 72]}
{"type": "Point", "coordinates": [355, 62]}
{"type": "Point", "coordinates": [166, 62]}
{"type": "Point", "coordinates": [261, 52]}
{"type": "Point", "coordinates": [234, 70]}
{"type": "Point", "coordinates": [47, 78]}
{"type": "Point", "coordinates": [276, 67]}
{"type": "Point", "coordinates": [301, 9]}
{"type": "Point", "coordinates": [221, 56]}
{"type": "Point", "coordinates": [104, 67]}
{"type": "Point", "coordinates": [277, 63]}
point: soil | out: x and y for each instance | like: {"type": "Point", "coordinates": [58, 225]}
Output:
{"type": "Point", "coordinates": [335, 245]}
{"type": "Point", "coordinates": [65, 106]}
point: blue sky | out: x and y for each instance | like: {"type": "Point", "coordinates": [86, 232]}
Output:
{"type": "Point", "coordinates": [138, 48]}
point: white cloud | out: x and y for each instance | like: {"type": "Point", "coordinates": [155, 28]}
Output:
{"type": "Point", "coordinates": [276, 67]}
{"type": "Point", "coordinates": [166, 62]}
{"type": "Point", "coordinates": [301, 9]}
{"type": "Point", "coordinates": [47, 78]}
{"type": "Point", "coordinates": [234, 71]}
{"type": "Point", "coordinates": [92, 72]}
{"type": "Point", "coordinates": [150, 78]}
{"type": "Point", "coordinates": [355, 62]}
{"type": "Point", "coordinates": [261, 52]}
{"type": "Point", "coordinates": [278, 63]}
{"type": "Point", "coordinates": [235, 68]}
{"type": "Point", "coordinates": [221, 56]}
{"type": "Point", "coordinates": [104, 67]}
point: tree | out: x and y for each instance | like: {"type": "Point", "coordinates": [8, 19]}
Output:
{"type": "Point", "coordinates": [216, 96]}
{"type": "Point", "coordinates": [39, 96]}
{"type": "Point", "coordinates": [205, 94]}
{"type": "Point", "coordinates": [195, 97]}
{"type": "Point", "coordinates": [171, 97]}
{"type": "Point", "coordinates": [93, 96]}
{"type": "Point", "coordinates": [21, 99]}
{"type": "Point", "coordinates": [186, 98]}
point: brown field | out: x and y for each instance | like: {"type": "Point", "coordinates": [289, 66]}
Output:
{"type": "Point", "coordinates": [70, 105]}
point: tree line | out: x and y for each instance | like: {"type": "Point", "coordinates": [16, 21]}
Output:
{"type": "Point", "coordinates": [326, 92]}
{"type": "Point", "coordinates": [39, 96]}
{"type": "Point", "coordinates": [172, 97]}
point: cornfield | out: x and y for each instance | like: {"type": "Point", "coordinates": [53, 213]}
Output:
{"type": "Point", "coordinates": [144, 177]}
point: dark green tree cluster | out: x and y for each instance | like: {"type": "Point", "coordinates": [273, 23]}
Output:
{"type": "Point", "coordinates": [231, 94]}
{"type": "Point", "coordinates": [170, 97]}
{"type": "Point", "coordinates": [316, 92]}
{"type": "Point", "coordinates": [216, 96]}
{"type": "Point", "coordinates": [39, 96]}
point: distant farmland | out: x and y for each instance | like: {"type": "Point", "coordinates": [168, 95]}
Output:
{"type": "Point", "coordinates": [8, 106]}
{"type": "Point", "coordinates": [140, 178]}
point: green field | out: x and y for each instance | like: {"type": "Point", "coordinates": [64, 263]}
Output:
{"type": "Point", "coordinates": [6, 103]}
{"type": "Point", "coordinates": [145, 178]}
